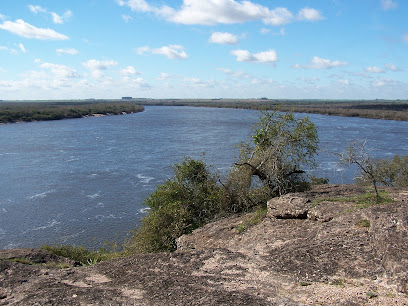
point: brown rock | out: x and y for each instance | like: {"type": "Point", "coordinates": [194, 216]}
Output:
{"type": "Point", "coordinates": [288, 207]}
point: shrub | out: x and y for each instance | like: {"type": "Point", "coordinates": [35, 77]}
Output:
{"type": "Point", "coordinates": [390, 172]}
{"type": "Point", "coordinates": [187, 201]}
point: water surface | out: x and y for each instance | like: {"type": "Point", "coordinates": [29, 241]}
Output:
{"type": "Point", "coordinates": [83, 181]}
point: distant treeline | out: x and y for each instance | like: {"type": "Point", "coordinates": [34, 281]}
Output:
{"type": "Point", "coordinates": [11, 112]}
{"type": "Point", "coordinates": [54, 110]}
{"type": "Point", "coordinates": [375, 109]}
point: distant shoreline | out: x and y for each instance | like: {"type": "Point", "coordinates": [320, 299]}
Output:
{"type": "Point", "coordinates": [19, 112]}
{"type": "Point", "coordinates": [371, 109]}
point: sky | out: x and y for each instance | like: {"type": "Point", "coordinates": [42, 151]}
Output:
{"type": "Point", "coordinates": [279, 49]}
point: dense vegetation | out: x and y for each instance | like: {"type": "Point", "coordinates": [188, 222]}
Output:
{"type": "Point", "coordinates": [38, 111]}
{"type": "Point", "coordinates": [375, 109]}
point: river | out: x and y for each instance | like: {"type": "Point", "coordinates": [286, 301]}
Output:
{"type": "Point", "coordinates": [83, 181]}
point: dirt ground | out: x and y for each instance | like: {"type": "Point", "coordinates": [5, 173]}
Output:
{"type": "Point", "coordinates": [331, 253]}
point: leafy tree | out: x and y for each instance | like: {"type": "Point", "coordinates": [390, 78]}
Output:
{"type": "Point", "coordinates": [280, 146]}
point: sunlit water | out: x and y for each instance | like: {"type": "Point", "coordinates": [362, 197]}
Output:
{"type": "Point", "coordinates": [83, 181]}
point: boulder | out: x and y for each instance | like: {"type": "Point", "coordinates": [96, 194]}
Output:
{"type": "Point", "coordinates": [288, 206]}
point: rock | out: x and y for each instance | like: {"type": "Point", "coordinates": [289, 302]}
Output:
{"type": "Point", "coordinates": [288, 207]}
{"type": "Point", "coordinates": [267, 264]}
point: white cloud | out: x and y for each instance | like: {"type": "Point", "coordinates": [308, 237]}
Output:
{"type": "Point", "coordinates": [37, 9]}
{"type": "Point", "coordinates": [21, 46]}
{"type": "Point", "coordinates": [309, 14]}
{"type": "Point", "coordinates": [392, 67]}
{"type": "Point", "coordinates": [388, 4]}
{"type": "Point", "coordinates": [21, 28]}
{"type": "Point", "coordinates": [61, 19]}
{"type": "Point", "coordinates": [60, 71]}
{"type": "Point", "coordinates": [264, 30]}
{"type": "Point", "coordinates": [129, 71]}
{"type": "Point", "coordinates": [221, 11]}
{"type": "Point", "coordinates": [126, 18]}
{"type": "Point", "coordinates": [99, 65]}
{"type": "Point", "coordinates": [235, 74]}
{"type": "Point", "coordinates": [278, 16]}
{"type": "Point", "coordinates": [373, 69]}
{"type": "Point", "coordinates": [143, 6]}
{"type": "Point", "coordinates": [321, 63]}
{"type": "Point", "coordinates": [11, 51]}
{"type": "Point", "coordinates": [70, 51]}
{"type": "Point", "coordinates": [164, 76]}
{"type": "Point", "coordinates": [269, 56]}
{"type": "Point", "coordinates": [96, 67]}
{"type": "Point", "coordinates": [170, 51]}
{"type": "Point", "coordinates": [2, 17]}
{"type": "Point", "coordinates": [223, 38]}
{"type": "Point", "coordinates": [344, 82]}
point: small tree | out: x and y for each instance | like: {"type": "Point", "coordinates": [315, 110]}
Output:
{"type": "Point", "coordinates": [356, 154]}
{"type": "Point", "coordinates": [280, 146]}
{"type": "Point", "coordinates": [390, 172]}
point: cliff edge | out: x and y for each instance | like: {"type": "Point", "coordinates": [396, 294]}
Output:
{"type": "Point", "coordinates": [311, 248]}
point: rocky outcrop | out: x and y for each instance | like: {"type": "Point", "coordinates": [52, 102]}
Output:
{"type": "Point", "coordinates": [306, 251]}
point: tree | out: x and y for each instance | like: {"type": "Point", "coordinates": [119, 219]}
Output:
{"type": "Point", "coordinates": [356, 153]}
{"type": "Point", "coordinates": [279, 147]}
{"type": "Point", "coordinates": [391, 172]}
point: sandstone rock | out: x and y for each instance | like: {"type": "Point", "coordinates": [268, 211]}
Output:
{"type": "Point", "coordinates": [288, 207]}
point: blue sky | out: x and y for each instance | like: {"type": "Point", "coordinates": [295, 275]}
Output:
{"type": "Point", "coordinates": [323, 49]}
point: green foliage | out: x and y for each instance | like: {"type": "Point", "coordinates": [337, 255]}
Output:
{"type": "Point", "coordinates": [355, 153]}
{"type": "Point", "coordinates": [281, 144]}
{"type": "Point", "coordinates": [390, 172]}
{"type": "Point", "coordinates": [318, 180]}
{"type": "Point", "coordinates": [363, 223]}
{"type": "Point", "coordinates": [255, 218]}
{"type": "Point", "coordinates": [372, 294]}
{"type": "Point", "coordinates": [80, 254]}
{"type": "Point", "coordinates": [362, 201]}
{"type": "Point", "coordinates": [187, 201]}
{"type": "Point", "coordinates": [39, 111]}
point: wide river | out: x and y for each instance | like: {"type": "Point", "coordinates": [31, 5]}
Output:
{"type": "Point", "coordinates": [83, 181]}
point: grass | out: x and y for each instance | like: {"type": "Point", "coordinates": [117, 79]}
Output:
{"type": "Point", "coordinates": [82, 255]}
{"type": "Point", "coordinates": [256, 218]}
{"type": "Point", "coordinates": [365, 200]}
{"type": "Point", "coordinates": [364, 223]}
{"type": "Point", "coordinates": [26, 261]}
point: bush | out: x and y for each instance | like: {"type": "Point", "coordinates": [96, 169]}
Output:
{"type": "Point", "coordinates": [187, 201]}
{"type": "Point", "coordinates": [391, 172]}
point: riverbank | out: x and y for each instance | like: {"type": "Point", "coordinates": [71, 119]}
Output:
{"type": "Point", "coordinates": [372, 109]}
{"type": "Point", "coordinates": [334, 252]}
{"type": "Point", "coordinates": [13, 112]}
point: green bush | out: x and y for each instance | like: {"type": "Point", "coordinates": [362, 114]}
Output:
{"type": "Point", "coordinates": [187, 201]}
{"type": "Point", "coordinates": [391, 172]}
